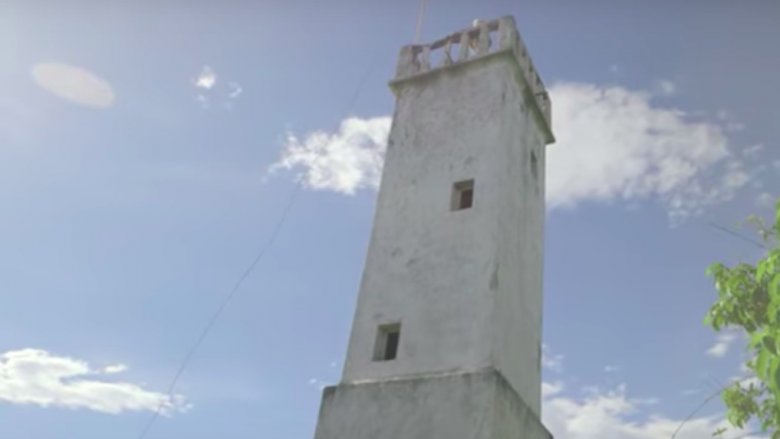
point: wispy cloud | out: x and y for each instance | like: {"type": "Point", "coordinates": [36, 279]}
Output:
{"type": "Point", "coordinates": [37, 377]}
{"type": "Point", "coordinates": [765, 200]}
{"type": "Point", "coordinates": [212, 93]}
{"type": "Point", "coordinates": [613, 144]}
{"type": "Point", "coordinates": [753, 151]}
{"type": "Point", "coordinates": [318, 383]}
{"type": "Point", "coordinates": [722, 344]}
{"type": "Point", "coordinates": [552, 389]}
{"type": "Point", "coordinates": [666, 87]}
{"type": "Point", "coordinates": [235, 90]}
{"type": "Point", "coordinates": [729, 121]}
{"type": "Point", "coordinates": [614, 414]}
{"type": "Point", "coordinates": [551, 361]}
{"type": "Point", "coordinates": [203, 100]}
{"type": "Point", "coordinates": [115, 368]}
{"type": "Point", "coordinates": [345, 161]}
{"type": "Point", "coordinates": [206, 79]}
{"type": "Point", "coordinates": [74, 84]}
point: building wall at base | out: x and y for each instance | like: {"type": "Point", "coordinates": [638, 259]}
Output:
{"type": "Point", "coordinates": [475, 405]}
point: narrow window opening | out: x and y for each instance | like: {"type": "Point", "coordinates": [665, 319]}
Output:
{"type": "Point", "coordinates": [534, 166]}
{"type": "Point", "coordinates": [387, 340]}
{"type": "Point", "coordinates": [463, 195]}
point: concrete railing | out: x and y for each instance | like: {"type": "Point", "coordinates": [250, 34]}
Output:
{"type": "Point", "coordinates": [481, 39]}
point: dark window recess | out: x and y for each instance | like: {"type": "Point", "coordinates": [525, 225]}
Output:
{"type": "Point", "coordinates": [534, 166]}
{"type": "Point", "coordinates": [391, 347]}
{"type": "Point", "coordinates": [387, 339]}
{"type": "Point", "coordinates": [463, 195]}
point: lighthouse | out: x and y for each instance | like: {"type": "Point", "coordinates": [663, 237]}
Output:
{"type": "Point", "coordinates": [446, 337]}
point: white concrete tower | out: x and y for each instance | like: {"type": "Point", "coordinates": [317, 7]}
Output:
{"type": "Point", "coordinates": [446, 342]}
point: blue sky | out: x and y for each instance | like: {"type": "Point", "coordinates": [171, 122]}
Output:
{"type": "Point", "coordinates": [147, 152]}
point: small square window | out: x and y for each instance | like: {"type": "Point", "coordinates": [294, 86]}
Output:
{"type": "Point", "coordinates": [387, 339]}
{"type": "Point", "coordinates": [463, 195]}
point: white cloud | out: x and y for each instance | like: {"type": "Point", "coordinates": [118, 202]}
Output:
{"type": "Point", "coordinates": [667, 88]}
{"type": "Point", "coordinates": [115, 368]}
{"type": "Point", "coordinates": [207, 79]}
{"type": "Point", "coordinates": [729, 121]}
{"type": "Point", "coordinates": [612, 414]}
{"type": "Point", "coordinates": [753, 151]}
{"type": "Point", "coordinates": [551, 389]}
{"type": "Point", "coordinates": [613, 144]}
{"type": "Point", "coordinates": [74, 84]}
{"type": "Point", "coordinates": [765, 200]}
{"type": "Point", "coordinates": [610, 368]}
{"type": "Point", "coordinates": [345, 161]}
{"type": "Point", "coordinates": [550, 361]}
{"type": "Point", "coordinates": [235, 90]}
{"type": "Point", "coordinates": [36, 377]}
{"type": "Point", "coordinates": [722, 344]}
{"type": "Point", "coordinates": [203, 100]}
{"type": "Point", "coordinates": [318, 383]}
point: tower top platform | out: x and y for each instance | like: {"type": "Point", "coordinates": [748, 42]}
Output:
{"type": "Point", "coordinates": [477, 43]}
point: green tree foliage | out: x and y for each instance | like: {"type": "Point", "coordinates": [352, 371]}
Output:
{"type": "Point", "coordinates": [749, 299]}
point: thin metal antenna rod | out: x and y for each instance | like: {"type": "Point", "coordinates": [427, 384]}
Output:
{"type": "Point", "coordinates": [420, 16]}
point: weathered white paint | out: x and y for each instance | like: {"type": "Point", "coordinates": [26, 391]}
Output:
{"type": "Point", "coordinates": [466, 286]}
{"type": "Point", "coordinates": [474, 405]}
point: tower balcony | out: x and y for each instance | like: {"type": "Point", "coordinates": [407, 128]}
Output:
{"type": "Point", "coordinates": [484, 39]}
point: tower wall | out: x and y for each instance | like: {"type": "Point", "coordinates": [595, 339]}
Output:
{"type": "Point", "coordinates": [463, 285]}
{"type": "Point", "coordinates": [475, 405]}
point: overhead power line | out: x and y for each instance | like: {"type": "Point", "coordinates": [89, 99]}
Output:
{"type": "Point", "coordinates": [704, 403]}
{"type": "Point", "coordinates": [225, 302]}
{"type": "Point", "coordinates": [737, 235]}
{"type": "Point", "coordinates": [245, 274]}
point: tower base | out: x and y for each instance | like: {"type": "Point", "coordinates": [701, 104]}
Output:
{"type": "Point", "coordinates": [473, 405]}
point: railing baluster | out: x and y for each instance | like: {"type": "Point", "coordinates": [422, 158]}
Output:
{"type": "Point", "coordinates": [463, 53]}
{"type": "Point", "coordinates": [407, 62]}
{"type": "Point", "coordinates": [447, 56]}
{"type": "Point", "coordinates": [474, 43]}
{"type": "Point", "coordinates": [507, 31]}
{"type": "Point", "coordinates": [483, 40]}
{"type": "Point", "coordinates": [425, 62]}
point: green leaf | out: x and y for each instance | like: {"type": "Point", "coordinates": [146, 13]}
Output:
{"type": "Point", "coordinates": [777, 218]}
{"type": "Point", "coordinates": [769, 344]}
{"type": "Point", "coordinates": [761, 270]}
{"type": "Point", "coordinates": [774, 286]}
{"type": "Point", "coordinates": [774, 379]}
{"type": "Point", "coordinates": [748, 298]}
{"type": "Point", "coordinates": [756, 337]}
{"type": "Point", "coordinates": [762, 363]}
{"type": "Point", "coordinates": [714, 269]}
